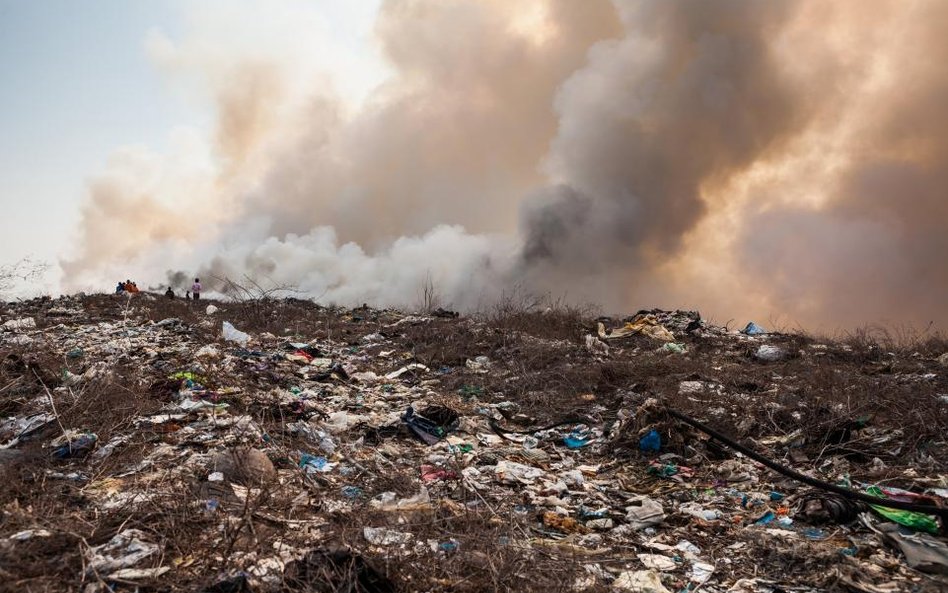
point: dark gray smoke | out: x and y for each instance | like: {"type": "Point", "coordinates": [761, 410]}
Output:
{"type": "Point", "coordinates": [691, 94]}
{"type": "Point", "coordinates": [178, 280]}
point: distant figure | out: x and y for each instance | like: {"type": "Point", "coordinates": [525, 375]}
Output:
{"type": "Point", "coordinates": [196, 288]}
{"type": "Point", "coordinates": [169, 293]}
{"type": "Point", "coordinates": [187, 295]}
{"type": "Point", "coordinates": [131, 286]}
{"type": "Point", "coordinates": [120, 288]}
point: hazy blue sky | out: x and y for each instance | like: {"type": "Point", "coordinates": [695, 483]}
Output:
{"type": "Point", "coordinates": [78, 83]}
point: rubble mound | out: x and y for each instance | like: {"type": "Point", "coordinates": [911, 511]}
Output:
{"type": "Point", "coordinates": [149, 444]}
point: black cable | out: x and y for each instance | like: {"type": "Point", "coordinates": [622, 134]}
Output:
{"type": "Point", "coordinates": [501, 431]}
{"type": "Point", "coordinates": [941, 512]}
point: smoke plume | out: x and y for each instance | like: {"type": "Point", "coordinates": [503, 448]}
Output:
{"type": "Point", "coordinates": [752, 159]}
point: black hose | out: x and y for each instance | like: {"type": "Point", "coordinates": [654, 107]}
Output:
{"type": "Point", "coordinates": [941, 512]}
{"type": "Point", "coordinates": [502, 432]}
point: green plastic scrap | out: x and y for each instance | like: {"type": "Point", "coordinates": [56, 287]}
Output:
{"type": "Point", "coordinates": [917, 521]}
{"type": "Point", "coordinates": [187, 375]}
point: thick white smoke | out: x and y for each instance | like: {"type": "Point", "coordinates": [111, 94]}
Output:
{"type": "Point", "coordinates": [467, 270]}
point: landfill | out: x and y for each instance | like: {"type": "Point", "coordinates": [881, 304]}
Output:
{"type": "Point", "coordinates": [149, 444]}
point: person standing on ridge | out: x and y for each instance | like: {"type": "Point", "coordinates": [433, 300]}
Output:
{"type": "Point", "coordinates": [196, 288]}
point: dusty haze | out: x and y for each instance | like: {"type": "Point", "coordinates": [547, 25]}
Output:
{"type": "Point", "coordinates": [765, 160]}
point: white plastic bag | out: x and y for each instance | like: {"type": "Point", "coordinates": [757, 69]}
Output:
{"type": "Point", "coordinates": [232, 334]}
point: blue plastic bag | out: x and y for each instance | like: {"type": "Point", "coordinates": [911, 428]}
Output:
{"type": "Point", "coordinates": [753, 329]}
{"type": "Point", "coordinates": [651, 442]}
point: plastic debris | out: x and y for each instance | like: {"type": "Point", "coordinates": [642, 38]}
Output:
{"type": "Point", "coordinates": [126, 549]}
{"type": "Point", "coordinates": [657, 562]}
{"type": "Point", "coordinates": [22, 536]}
{"type": "Point", "coordinates": [380, 536]}
{"type": "Point", "coordinates": [22, 323]}
{"type": "Point", "coordinates": [752, 329]}
{"type": "Point", "coordinates": [18, 429]}
{"type": "Point", "coordinates": [696, 510]}
{"type": "Point", "coordinates": [911, 519]}
{"type": "Point", "coordinates": [647, 513]}
{"type": "Point", "coordinates": [644, 324]}
{"type": "Point", "coordinates": [232, 334]}
{"type": "Point", "coordinates": [577, 439]}
{"type": "Point", "coordinates": [651, 442]}
{"type": "Point", "coordinates": [412, 368]}
{"type": "Point", "coordinates": [209, 351]}
{"type": "Point", "coordinates": [136, 574]}
{"type": "Point", "coordinates": [640, 581]}
{"type": "Point", "coordinates": [431, 473]}
{"type": "Point", "coordinates": [74, 445]}
{"type": "Point", "coordinates": [480, 364]}
{"type": "Point", "coordinates": [922, 551]}
{"type": "Point", "coordinates": [316, 464]}
{"type": "Point", "coordinates": [511, 472]}
{"type": "Point", "coordinates": [595, 345]}
{"type": "Point", "coordinates": [700, 572]}
{"type": "Point", "coordinates": [431, 424]}
{"type": "Point", "coordinates": [352, 492]}
{"type": "Point", "coordinates": [768, 353]}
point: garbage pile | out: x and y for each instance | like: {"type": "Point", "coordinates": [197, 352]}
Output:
{"type": "Point", "coordinates": [154, 444]}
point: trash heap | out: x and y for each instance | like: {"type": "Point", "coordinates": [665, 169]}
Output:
{"type": "Point", "coordinates": [276, 445]}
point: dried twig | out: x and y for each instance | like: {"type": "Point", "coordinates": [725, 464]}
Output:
{"type": "Point", "coordinates": [52, 404]}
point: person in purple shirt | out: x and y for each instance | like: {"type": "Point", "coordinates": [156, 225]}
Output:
{"type": "Point", "coordinates": [196, 289]}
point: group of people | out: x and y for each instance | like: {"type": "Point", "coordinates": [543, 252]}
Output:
{"type": "Point", "coordinates": [127, 286]}
{"type": "Point", "coordinates": [130, 287]}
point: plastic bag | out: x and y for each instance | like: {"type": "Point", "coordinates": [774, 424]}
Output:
{"type": "Point", "coordinates": [917, 521]}
{"type": "Point", "coordinates": [232, 334]}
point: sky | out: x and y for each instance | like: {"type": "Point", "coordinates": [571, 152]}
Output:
{"type": "Point", "coordinates": [76, 84]}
